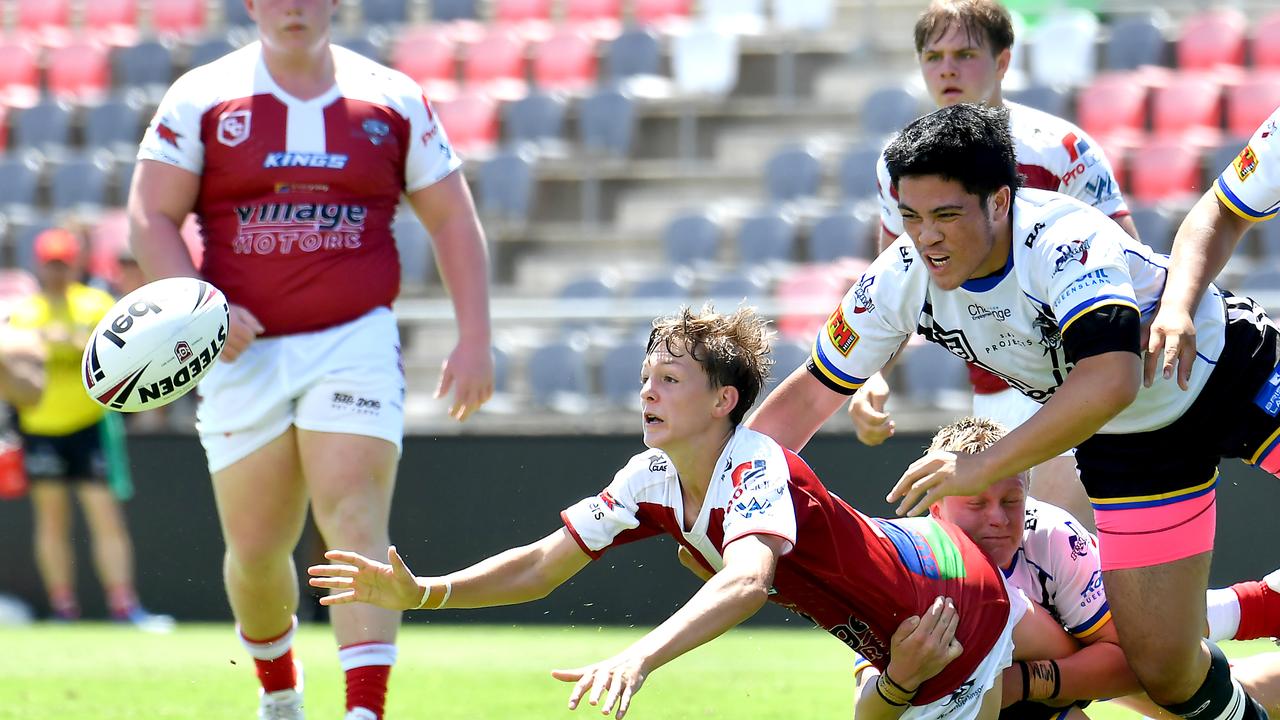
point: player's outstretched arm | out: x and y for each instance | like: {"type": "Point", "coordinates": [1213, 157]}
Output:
{"type": "Point", "coordinates": [729, 597]}
{"type": "Point", "coordinates": [447, 211]}
{"type": "Point", "coordinates": [518, 575]}
{"type": "Point", "coordinates": [794, 412]}
{"type": "Point", "coordinates": [920, 648]}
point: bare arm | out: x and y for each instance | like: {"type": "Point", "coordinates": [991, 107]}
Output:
{"type": "Point", "coordinates": [920, 648]}
{"type": "Point", "coordinates": [1098, 670]}
{"type": "Point", "coordinates": [447, 211]}
{"type": "Point", "coordinates": [159, 200]}
{"type": "Point", "coordinates": [795, 411]}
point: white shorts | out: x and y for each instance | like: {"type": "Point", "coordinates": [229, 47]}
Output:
{"type": "Point", "coordinates": [1008, 407]}
{"type": "Point", "coordinates": [966, 701]}
{"type": "Point", "coordinates": [345, 379]}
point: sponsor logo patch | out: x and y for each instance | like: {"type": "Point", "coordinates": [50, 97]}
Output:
{"type": "Point", "coordinates": [841, 335]}
{"type": "Point", "coordinates": [1246, 163]}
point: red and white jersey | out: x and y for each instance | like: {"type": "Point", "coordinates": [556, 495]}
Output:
{"type": "Point", "coordinates": [1250, 185]}
{"type": "Point", "coordinates": [1059, 568]}
{"type": "Point", "coordinates": [1053, 154]}
{"type": "Point", "coordinates": [297, 196]}
{"type": "Point", "coordinates": [855, 576]}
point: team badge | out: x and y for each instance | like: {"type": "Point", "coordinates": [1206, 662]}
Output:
{"type": "Point", "coordinates": [167, 134]}
{"type": "Point", "coordinates": [376, 130]}
{"type": "Point", "coordinates": [233, 127]}
{"type": "Point", "coordinates": [1246, 163]}
{"type": "Point", "coordinates": [842, 336]}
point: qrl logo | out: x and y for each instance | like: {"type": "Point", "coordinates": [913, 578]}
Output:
{"type": "Point", "coordinates": [233, 127]}
{"type": "Point", "coordinates": [182, 351]}
{"type": "Point", "coordinates": [121, 324]}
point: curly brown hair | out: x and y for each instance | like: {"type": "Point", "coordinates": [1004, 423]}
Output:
{"type": "Point", "coordinates": [983, 20]}
{"type": "Point", "coordinates": [732, 349]}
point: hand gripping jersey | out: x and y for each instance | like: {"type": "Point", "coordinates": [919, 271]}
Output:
{"type": "Point", "coordinates": [855, 576]}
{"type": "Point", "coordinates": [1066, 260]}
{"type": "Point", "coordinates": [1250, 185]}
{"type": "Point", "coordinates": [297, 196]}
{"type": "Point", "coordinates": [1058, 568]}
{"type": "Point", "coordinates": [1053, 154]}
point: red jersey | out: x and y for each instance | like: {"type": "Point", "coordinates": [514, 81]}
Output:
{"type": "Point", "coordinates": [296, 196]}
{"type": "Point", "coordinates": [855, 576]}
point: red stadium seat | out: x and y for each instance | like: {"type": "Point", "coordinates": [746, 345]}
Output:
{"type": "Point", "coordinates": [177, 17]}
{"type": "Point", "coordinates": [19, 75]}
{"type": "Point", "coordinates": [1251, 102]}
{"type": "Point", "coordinates": [1188, 109]}
{"type": "Point", "coordinates": [601, 18]}
{"type": "Point", "coordinates": [471, 122]}
{"type": "Point", "coordinates": [428, 54]}
{"type": "Point", "coordinates": [651, 12]}
{"type": "Point", "coordinates": [1113, 109]}
{"type": "Point", "coordinates": [113, 22]}
{"type": "Point", "coordinates": [496, 64]}
{"type": "Point", "coordinates": [1266, 51]}
{"type": "Point", "coordinates": [1211, 38]}
{"type": "Point", "coordinates": [565, 61]}
{"type": "Point", "coordinates": [80, 71]}
{"type": "Point", "coordinates": [807, 293]}
{"type": "Point", "coordinates": [1163, 170]}
{"type": "Point", "coordinates": [518, 11]}
{"type": "Point", "coordinates": [46, 22]}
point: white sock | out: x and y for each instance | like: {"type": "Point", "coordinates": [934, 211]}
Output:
{"type": "Point", "coordinates": [1224, 614]}
{"type": "Point", "coordinates": [366, 654]}
{"type": "Point", "coordinates": [272, 649]}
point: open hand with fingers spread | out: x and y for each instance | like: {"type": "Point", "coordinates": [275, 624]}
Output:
{"type": "Point", "coordinates": [924, 645]}
{"type": "Point", "coordinates": [390, 585]}
{"type": "Point", "coordinates": [617, 679]}
{"type": "Point", "coordinates": [937, 475]}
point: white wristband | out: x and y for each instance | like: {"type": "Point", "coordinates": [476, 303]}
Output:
{"type": "Point", "coordinates": [426, 593]}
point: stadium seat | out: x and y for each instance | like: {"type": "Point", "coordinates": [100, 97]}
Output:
{"type": "Point", "coordinates": [428, 54]}
{"type": "Point", "coordinates": [413, 244]}
{"type": "Point", "coordinates": [113, 22]}
{"type": "Point", "coordinates": [453, 10]}
{"type": "Point", "coordinates": [601, 19]}
{"type": "Point", "coordinates": [507, 186]}
{"type": "Point", "coordinates": [1046, 98]}
{"type": "Point", "coordinates": [1063, 48]}
{"type": "Point", "coordinates": [558, 377]}
{"type": "Point", "coordinates": [607, 122]}
{"type": "Point", "coordinates": [736, 16]}
{"type": "Point", "coordinates": [634, 52]}
{"type": "Point", "coordinates": [530, 19]}
{"type": "Point", "coordinates": [46, 22]}
{"type": "Point", "coordinates": [934, 378]}
{"type": "Point", "coordinates": [661, 12]}
{"type": "Point", "coordinates": [704, 60]}
{"type": "Point", "coordinates": [766, 237]}
{"type": "Point", "coordinates": [807, 293]}
{"type": "Point", "coordinates": [80, 182]}
{"type": "Point", "coordinates": [1260, 278]}
{"type": "Point", "coordinates": [1190, 109]}
{"type": "Point", "coordinates": [1113, 109]}
{"type": "Point", "coordinates": [108, 239]}
{"type": "Point", "coordinates": [857, 171]}
{"type": "Point", "coordinates": [591, 287]}
{"type": "Point", "coordinates": [24, 238]}
{"type": "Point", "coordinates": [787, 355]}
{"type": "Point", "coordinates": [79, 71]}
{"type": "Point", "coordinates": [384, 12]}
{"type": "Point", "coordinates": [123, 180]}
{"type": "Point", "coordinates": [496, 64]}
{"type": "Point", "coordinates": [664, 285]}
{"type": "Point", "coordinates": [1137, 40]}
{"type": "Point", "coordinates": [536, 118]}
{"type": "Point", "coordinates": [1212, 38]}
{"type": "Point", "coordinates": [471, 121]}
{"type": "Point", "coordinates": [208, 50]}
{"type": "Point", "coordinates": [1251, 102]}
{"type": "Point", "coordinates": [45, 127]}
{"type": "Point", "coordinates": [565, 62]}
{"type": "Point", "coordinates": [501, 370]}
{"type": "Point", "coordinates": [362, 44]}
{"type": "Point", "coordinates": [177, 17]}
{"type": "Point", "coordinates": [791, 173]}
{"type": "Point", "coordinates": [1164, 170]}
{"type": "Point", "coordinates": [620, 374]}
{"type": "Point", "coordinates": [1155, 227]}
{"type": "Point", "coordinates": [888, 109]}
{"type": "Point", "coordinates": [19, 182]}
{"type": "Point", "coordinates": [811, 15]}
{"type": "Point", "coordinates": [691, 238]}
{"type": "Point", "coordinates": [1265, 50]}
{"type": "Point", "coordinates": [19, 75]}
{"type": "Point", "coordinates": [236, 14]}
{"type": "Point", "coordinates": [148, 64]}
{"type": "Point", "coordinates": [115, 124]}
{"type": "Point", "coordinates": [728, 291]}
{"type": "Point", "coordinates": [841, 234]}
{"type": "Point", "coordinates": [1268, 234]}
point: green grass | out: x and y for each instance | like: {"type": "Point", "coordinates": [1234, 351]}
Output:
{"type": "Point", "coordinates": [92, 671]}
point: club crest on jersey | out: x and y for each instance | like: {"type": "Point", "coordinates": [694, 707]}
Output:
{"type": "Point", "coordinates": [376, 130]}
{"type": "Point", "coordinates": [233, 127]}
{"type": "Point", "coordinates": [1246, 163]}
{"type": "Point", "coordinates": [842, 336]}
{"type": "Point", "coordinates": [747, 471]}
{"type": "Point", "coordinates": [1077, 250]}
{"type": "Point", "coordinates": [862, 295]}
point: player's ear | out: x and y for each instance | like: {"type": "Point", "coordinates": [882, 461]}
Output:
{"type": "Point", "coordinates": [1000, 202]}
{"type": "Point", "coordinates": [726, 400]}
{"type": "Point", "coordinates": [1003, 58]}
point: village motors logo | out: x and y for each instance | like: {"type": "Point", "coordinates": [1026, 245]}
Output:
{"type": "Point", "coordinates": [233, 127]}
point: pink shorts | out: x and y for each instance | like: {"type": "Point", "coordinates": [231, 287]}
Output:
{"type": "Point", "coordinates": [1140, 532]}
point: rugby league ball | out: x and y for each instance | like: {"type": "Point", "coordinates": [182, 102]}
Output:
{"type": "Point", "coordinates": [155, 344]}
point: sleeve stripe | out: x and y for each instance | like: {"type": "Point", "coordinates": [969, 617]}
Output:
{"type": "Point", "coordinates": [1236, 205]}
{"type": "Point", "coordinates": [568, 524]}
{"type": "Point", "coordinates": [843, 380]}
{"type": "Point", "coordinates": [1093, 624]}
{"type": "Point", "coordinates": [1095, 303]}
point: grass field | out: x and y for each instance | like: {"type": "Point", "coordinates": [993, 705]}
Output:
{"type": "Point", "coordinates": [92, 671]}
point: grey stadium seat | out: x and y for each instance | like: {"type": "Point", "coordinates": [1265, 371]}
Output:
{"type": "Point", "coordinates": [1137, 40]}
{"type": "Point", "coordinates": [24, 239]}
{"type": "Point", "coordinates": [841, 234]}
{"type": "Point", "coordinates": [79, 182]}
{"type": "Point", "coordinates": [787, 356]}
{"type": "Point", "coordinates": [766, 237]}
{"type": "Point", "coordinates": [691, 238]}
{"type": "Point", "coordinates": [662, 286]}
{"type": "Point", "coordinates": [148, 64]}
{"type": "Point", "coordinates": [607, 121]}
{"type": "Point", "coordinates": [934, 377]}
{"type": "Point", "coordinates": [384, 12]}
{"type": "Point", "coordinates": [634, 52]}
{"type": "Point", "coordinates": [1269, 240]}
{"type": "Point", "coordinates": [413, 243]}
{"type": "Point", "coordinates": [115, 124]}
{"type": "Point", "coordinates": [506, 187]}
{"type": "Point", "coordinates": [450, 10]}
{"type": "Point", "coordinates": [792, 172]}
{"type": "Point", "coordinates": [236, 14]}
{"type": "Point", "coordinates": [1042, 97]}
{"type": "Point", "coordinates": [592, 287]}
{"type": "Point", "coordinates": [556, 370]}
{"type": "Point", "coordinates": [45, 126]}
{"type": "Point", "coordinates": [19, 182]}
{"type": "Point", "coordinates": [537, 118]}
{"type": "Point", "coordinates": [620, 374]}
{"type": "Point", "coordinates": [206, 51]}
{"type": "Point", "coordinates": [728, 291]}
{"type": "Point", "coordinates": [858, 171]}
{"type": "Point", "coordinates": [889, 109]}
{"type": "Point", "coordinates": [361, 45]}
{"type": "Point", "coordinates": [122, 180]}
{"type": "Point", "coordinates": [1155, 227]}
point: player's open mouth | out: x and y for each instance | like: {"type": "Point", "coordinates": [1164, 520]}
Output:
{"type": "Point", "coordinates": [651, 419]}
{"type": "Point", "coordinates": [938, 261]}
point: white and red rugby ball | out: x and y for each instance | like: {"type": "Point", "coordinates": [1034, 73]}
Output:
{"type": "Point", "coordinates": [155, 344]}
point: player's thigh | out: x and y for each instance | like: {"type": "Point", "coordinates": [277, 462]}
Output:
{"type": "Point", "coordinates": [1159, 610]}
{"type": "Point", "coordinates": [351, 478]}
{"type": "Point", "coordinates": [261, 499]}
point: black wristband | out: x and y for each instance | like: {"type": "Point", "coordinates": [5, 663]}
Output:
{"type": "Point", "coordinates": [1026, 680]}
{"type": "Point", "coordinates": [886, 698]}
{"type": "Point", "coordinates": [901, 689]}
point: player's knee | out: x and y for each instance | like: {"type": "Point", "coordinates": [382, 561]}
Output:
{"type": "Point", "coordinates": [1168, 673]}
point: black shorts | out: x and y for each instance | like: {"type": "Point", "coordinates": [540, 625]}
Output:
{"type": "Point", "coordinates": [74, 457]}
{"type": "Point", "coordinates": [1223, 422]}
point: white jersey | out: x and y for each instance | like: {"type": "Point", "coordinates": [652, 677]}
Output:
{"type": "Point", "coordinates": [1058, 568]}
{"type": "Point", "coordinates": [1066, 260]}
{"type": "Point", "coordinates": [1250, 185]}
{"type": "Point", "coordinates": [1052, 153]}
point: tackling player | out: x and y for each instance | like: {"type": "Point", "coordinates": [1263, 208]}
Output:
{"type": "Point", "coordinates": [753, 511]}
{"type": "Point", "coordinates": [294, 155]}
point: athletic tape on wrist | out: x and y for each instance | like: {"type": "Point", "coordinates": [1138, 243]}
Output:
{"type": "Point", "coordinates": [891, 692]}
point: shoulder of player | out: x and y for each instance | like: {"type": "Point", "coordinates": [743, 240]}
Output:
{"type": "Point", "coordinates": [228, 76]}
{"type": "Point", "coordinates": [368, 80]}
{"type": "Point", "coordinates": [1044, 136]}
{"type": "Point", "coordinates": [753, 456]}
{"type": "Point", "coordinates": [1051, 534]}
{"type": "Point", "coordinates": [643, 471]}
